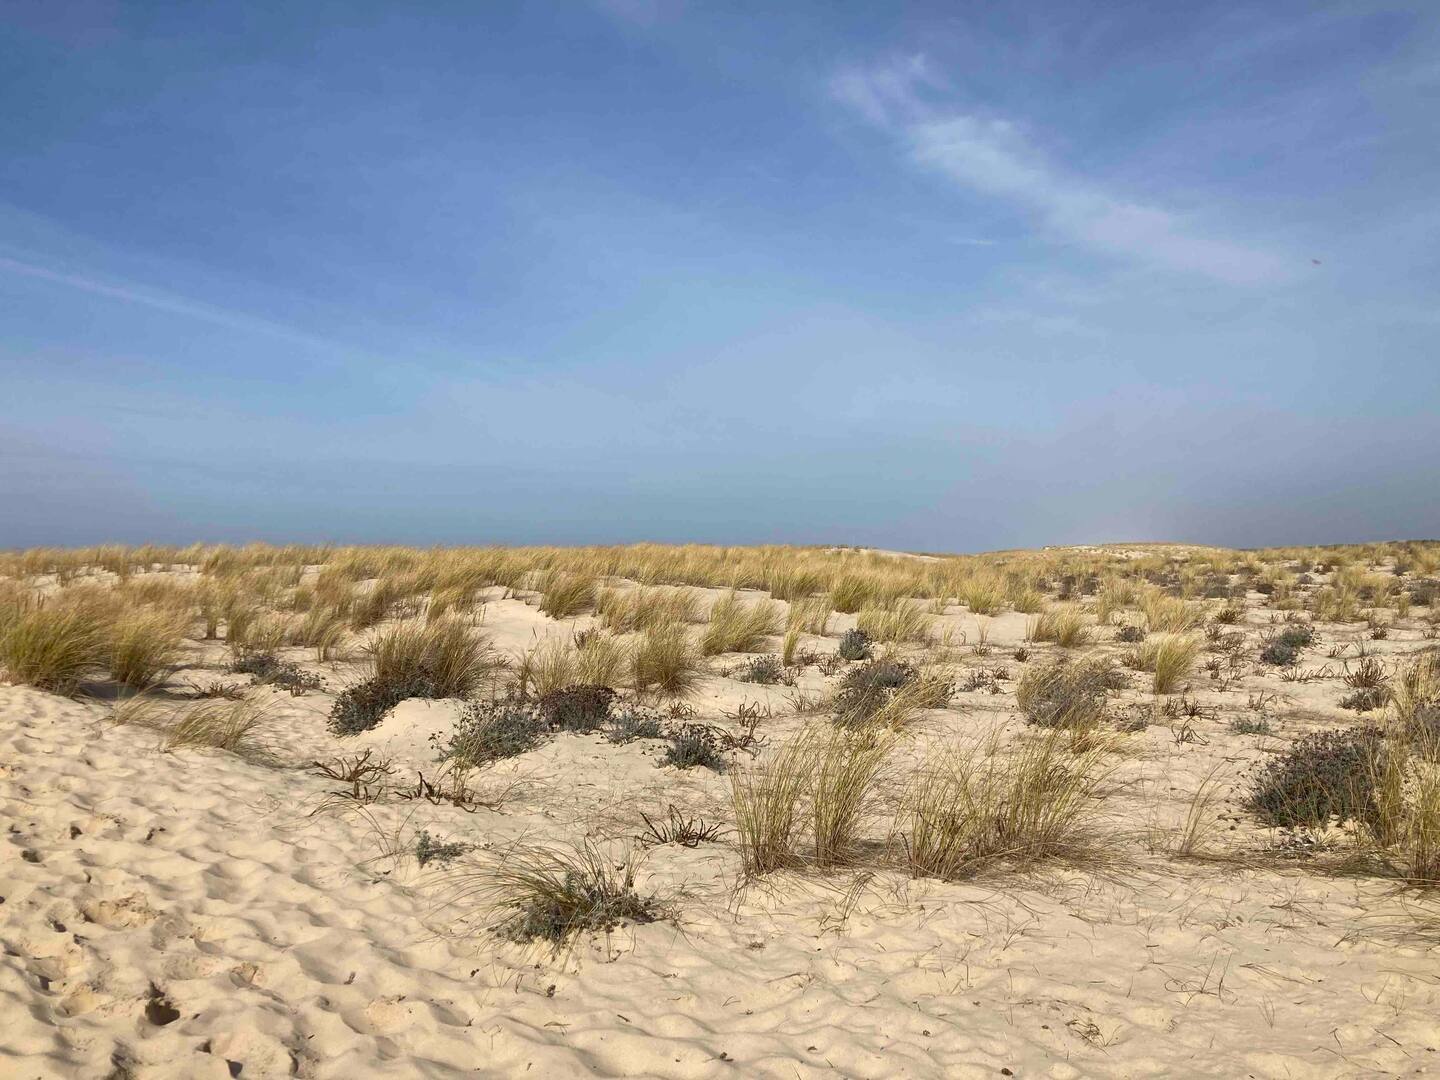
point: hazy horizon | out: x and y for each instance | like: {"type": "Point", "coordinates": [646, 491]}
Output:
{"type": "Point", "coordinates": [938, 277]}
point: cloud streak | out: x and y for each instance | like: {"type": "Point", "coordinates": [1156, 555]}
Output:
{"type": "Point", "coordinates": [992, 156]}
{"type": "Point", "coordinates": [174, 305]}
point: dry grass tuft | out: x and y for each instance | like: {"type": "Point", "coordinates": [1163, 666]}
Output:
{"type": "Point", "coordinates": [969, 808]}
{"type": "Point", "coordinates": [53, 646]}
{"type": "Point", "coordinates": [895, 622]}
{"type": "Point", "coordinates": [666, 661]}
{"type": "Point", "coordinates": [446, 654]}
{"type": "Point", "coordinates": [738, 627]}
{"type": "Point", "coordinates": [768, 799]}
{"type": "Point", "coordinates": [1171, 657]}
{"type": "Point", "coordinates": [1066, 626]}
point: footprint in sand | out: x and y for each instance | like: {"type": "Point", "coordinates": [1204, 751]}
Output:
{"type": "Point", "coordinates": [122, 914]}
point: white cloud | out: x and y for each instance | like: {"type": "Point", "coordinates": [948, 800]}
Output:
{"type": "Point", "coordinates": [992, 156]}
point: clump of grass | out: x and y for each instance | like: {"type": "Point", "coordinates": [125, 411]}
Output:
{"type": "Point", "coordinates": [1322, 778]}
{"type": "Point", "coordinates": [897, 621]}
{"type": "Point", "coordinates": [1170, 657]}
{"type": "Point", "coordinates": [738, 627]}
{"type": "Point", "coordinates": [413, 660]}
{"type": "Point", "coordinates": [599, 659]}
{"type": "Point", "coordinates": [566, 595]}
{"type": "Point", "coordinates": [854, 645]}
{"type": "Point", "coordinates": [970, 807]}
{"type": "Point", "coordinates": [143, 646]}
{"type": "Point", "coordinates": [846, 766]}
{"type": "Point", "coordinates": [53, 646]}
{"type": "Point", "coordinates": [1252, 725]}
{"type": "Point", "coordinates": [639, 609]}
{"type": "Point", "coordinates": [492, 730]}
{"type": "Point", "coordinates": [849, 593]}
{"type": "Point", "coordinates": [218, 723]}
{"type": "Point", "coordinates": [1066, 626]}
{"type": "Point", "coordinates": [447, 654]}
{"type": "Point", "coordinates": [1415, 697]}
{"type": "Point", "coordinates": [1169, 614]}
{"type": "Point", "coordinates": [768, 801]}
{"type": "Point", "coordinates": [810, 615]}
{"type": "Point", "coordinates": [550, 894]}
{"type": "Point", "coordinates": [865, 690]}
{"type": "Point", "coordinates": [1066, 695]}
{"type": "Point", "coordinates": [666, 661]}
{"type": "Point", "coordinates": [548, 667]}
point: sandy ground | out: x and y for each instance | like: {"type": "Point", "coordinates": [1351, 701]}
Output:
{"type": "Point", "coordinates": [194, 914]}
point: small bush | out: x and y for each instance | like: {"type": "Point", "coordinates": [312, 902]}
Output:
{"type": "Point", "coordinates": [1325, 777]}
{"type": "Point", "coordinates": [634, 723]}
{"type": "Point", "coordinates": [1066, 695]}
{"type": "Point", "coordinates": [866, 690]}
{"type": "Point", "coordinates": [1252, 725]}
{"type": "Point", "coordinates": [1278, 654]}
{"type": "Point", "coordinates": [764, 670]}
{"type": "Point", "coordinates": [430, 849]}
{"type": "Point", "coordinates": [854, 645]}
{"type": "Point", "coordinates": [491, 730]}
{"type": "Point", "coordinates": [693, 746]}
{"type": "Point", "coordinates": [362, 706]}
{"type": "Point", "coordinates": [1129, 634]}
{"type": "Point", "coordinates": [268, 668]}
{"type": "Point", "coordinates": [577, 708]}
{"type": "Point", "coordinates": [1366, 699]}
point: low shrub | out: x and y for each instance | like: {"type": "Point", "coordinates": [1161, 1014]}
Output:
{"type": "Point", "coordinates": [577, 708]}
{"type": "Point", "coordinates": [1322, 778]}
{"type": "Point", "coordinates": [430, 849]}
{"type": "Point", "coordinates": [765, 670]}
{"type": "Point", "coordinates": [694, 746]}
{"type": "Point", "coordinates": [1129, 634]}
{"type": "Point", "coordinates": [854, 645]}
{"type": "Point", "coordinates": [268, 668]}
{"type": "Point", "coordinates": [1066, 695]}
{"type": "Point", "coordinates": [633, 722]}
{"type": "Point", "coordinates": [491, 730]}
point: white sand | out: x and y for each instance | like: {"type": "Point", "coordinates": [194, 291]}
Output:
{"type": "Point", "coordinates": [186, 915]}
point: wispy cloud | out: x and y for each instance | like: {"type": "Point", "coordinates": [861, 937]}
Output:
{"type": "Point", "coordinates": [157, 300]}
{"type": "Point", "coordinates": [992, 155]}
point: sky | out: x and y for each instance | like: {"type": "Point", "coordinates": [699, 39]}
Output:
{"type": "Point", "coordinates": [949, 276]}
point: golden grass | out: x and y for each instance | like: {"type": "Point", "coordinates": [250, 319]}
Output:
{"type": "Point", "coordinates": [1171, 658]}
{"type": "Point", "coordinates": [1169, 614]}
{"type": "Point", "coordinates": [895, 622]}
{"type": "Point", "coordinates": [1066, 626]}
{"type": "Point", "coordinates": [454, 659]}
{"type": "Point", "coordinates": [735, 626]}
{"type": "Point", "coordinates": [52, 647]}
{"type": "Point", "coordinates": [639, 609]}
{"type": "Point", "coordinates": [563, 596]}
{"type": "Point", "coordinates": [664, 660]}
{"type": "Point", "coordinates": [968, 808]}
{"type": "Point", "coordinates": [768, 799]}
{"type": "Point", "coordinates": [845, 767]}
{"type": "Point", "coordinates": [143, 645]}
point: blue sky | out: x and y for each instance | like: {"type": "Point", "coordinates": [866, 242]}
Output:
{"type": "Point", "coordinates": [951, 276]}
